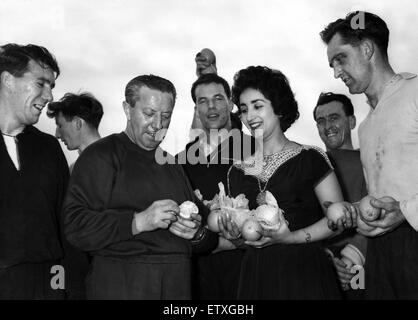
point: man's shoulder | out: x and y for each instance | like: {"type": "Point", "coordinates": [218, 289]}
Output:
{"type": "Point", "coordinates": [343, 158]}
{"type": "Point", "coordinates": [410, 81]}
{"type": "Point", "coordinates": [344, 152]}
{"type": "Point", "coordinates": [39, 134]}
{"type": "Point", "coordinates": [44, 138]}
{"type": "Point", "coordinates": [104, 146]}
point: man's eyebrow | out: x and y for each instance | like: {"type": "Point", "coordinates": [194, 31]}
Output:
{"type": "Point", "coordinates": [51, 83]}
{"type": "Point", "coordinates": [338, 55]}
{"type": "Point", "coordinates": [328, 115]}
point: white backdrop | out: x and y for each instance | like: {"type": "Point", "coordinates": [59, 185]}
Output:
{"type": "Point", "coordinates": [101, 44]}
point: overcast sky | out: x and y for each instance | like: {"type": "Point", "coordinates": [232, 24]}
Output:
{"type": "Point", "coordinates": [101, 44]}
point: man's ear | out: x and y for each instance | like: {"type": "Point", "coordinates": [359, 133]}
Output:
{"type": "Point", "coordinates": [127, 110]}
{"type": "Point", "coordinates": [352, 120]}
{"type": "Point", "coordinates": [6, 79]}
{"type": "Point", "coordinates": [78, 122]}
{"type": "Point", "coordinates": [368, 47]}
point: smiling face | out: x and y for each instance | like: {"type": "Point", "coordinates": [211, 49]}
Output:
{"type": "Point", "coordinates": [151, 113]}
{"type": "Point", "coordinates": [334, 126]}
{"type": "Point", "coordinates": [257, 113]}
{"type": "Point", "coordinates": [213, 106]}
{"type": "Point", "coordinates": [68, 132]}
{"type": "Point", "coordinates": [30, 93]}
{"type": "Point", "coordinates": [350, 63]}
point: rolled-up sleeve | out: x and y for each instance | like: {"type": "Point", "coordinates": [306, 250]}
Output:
{"type": "Point", "coordinates": [409, 209]}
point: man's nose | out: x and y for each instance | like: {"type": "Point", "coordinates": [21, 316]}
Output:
{"type": "Point", "coordinates": [47, 94]}
{"type": "Point", "coordinates": [212, 104]}
{"type": "Point", "coordinates": [157, 122]}
{"type": "Point", "coordinates": [337, 72]}
{"type": "Point", "coordinates": [57, 133]}
{"type": "Point", "coordinates": [328, 124]}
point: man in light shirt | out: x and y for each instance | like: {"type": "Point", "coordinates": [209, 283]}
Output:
{"type": "Point", "coordinates": [357, 52]}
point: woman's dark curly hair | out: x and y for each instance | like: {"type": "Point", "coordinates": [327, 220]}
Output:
{"type": "Point", "coordinates": [274, 86]}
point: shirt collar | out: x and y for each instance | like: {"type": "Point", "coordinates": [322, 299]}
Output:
{"type": "Point", "coordinates": [392, 84]}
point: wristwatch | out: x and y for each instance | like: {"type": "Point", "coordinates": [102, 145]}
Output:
{"type": "Point", "coordinates": [199, 235]}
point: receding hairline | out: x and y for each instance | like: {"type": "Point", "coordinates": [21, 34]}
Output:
{"type": "Point", "coordinates": [211, 83]}
{"type": "Point", "coordinates": [135, 89]}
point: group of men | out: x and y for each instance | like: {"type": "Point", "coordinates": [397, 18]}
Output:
{"type": "Point", "coordinates": [122, 207]}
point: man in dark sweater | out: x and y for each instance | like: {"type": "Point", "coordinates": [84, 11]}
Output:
{"type": "Point", "coordinates": [206, 161]}
{"type": "Point", "coordinates": [334, 116]}
{"type": "Point", "coordinates": [33, 178]}
{"type": "Point", "coordinates": [77, 117]}
{"type": "Point", "coordinates": [122, 205]}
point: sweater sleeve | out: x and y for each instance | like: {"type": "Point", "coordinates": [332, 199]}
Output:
{"type": "Point", "coordinates": [88, 221]}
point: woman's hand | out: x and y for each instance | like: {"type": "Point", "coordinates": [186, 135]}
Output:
{"type": "Point", "coordinates": [270, 236]}
{"type": "Point", "coordinates": [229, 230]}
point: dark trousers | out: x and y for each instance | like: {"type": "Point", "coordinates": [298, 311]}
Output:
{"type": "Point", "coordinates": [216, 276]}
{"type": "Point", "coordinates": [152, 277]}
{"type": "Point", "coordinates": [29, 281]}
{"type": "Point", "coordinates": [391, 265]}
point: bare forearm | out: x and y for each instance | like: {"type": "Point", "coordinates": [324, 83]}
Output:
{"type": "Point", "coordinates": [315, 232]}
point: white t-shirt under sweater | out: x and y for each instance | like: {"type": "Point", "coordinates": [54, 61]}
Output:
{"type": "Point", "coordinates": [11, 146]}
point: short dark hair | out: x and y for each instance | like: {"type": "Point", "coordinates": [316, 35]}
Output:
{"type": "Point", "coordinates": [328, 97]}
{"type": "Point", "coordinates": [83, 105]}
{"type": "Point", "coordinates": [274, 85]}
{"type": "Point", "coordinates": [151, 81]}
{"type": "Point", "coordinates": [14, 58]}
{"type": "Point", "coordinates": [207, 79]}
{"type": "Point", "coordinates": [375, 29]}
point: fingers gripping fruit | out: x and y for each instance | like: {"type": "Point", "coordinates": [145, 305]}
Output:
{"type": "Point", "coordinates": [212, 221]}
{"type": "Point", "coordinates": [250, 222]}
{"type": "Point", "coordinates": [187, 208]}
{"type": "Point", "coordinates": [367, 211]}
{"type": "Point", "coordinates": [336, 211]}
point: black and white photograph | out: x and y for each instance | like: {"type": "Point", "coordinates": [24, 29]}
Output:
{"type": "Point", "coordinates": [199, 151]}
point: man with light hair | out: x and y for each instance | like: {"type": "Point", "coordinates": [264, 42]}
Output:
{"type": "Point", "coordinates": [122, 206]}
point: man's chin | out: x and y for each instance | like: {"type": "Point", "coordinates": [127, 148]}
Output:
{"type": "Point", "coordinates": [152, 144]}
{"type": "Point", "coordinates": [333, 146]}
{"type": "Point", "coordinates": [354, 90]}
